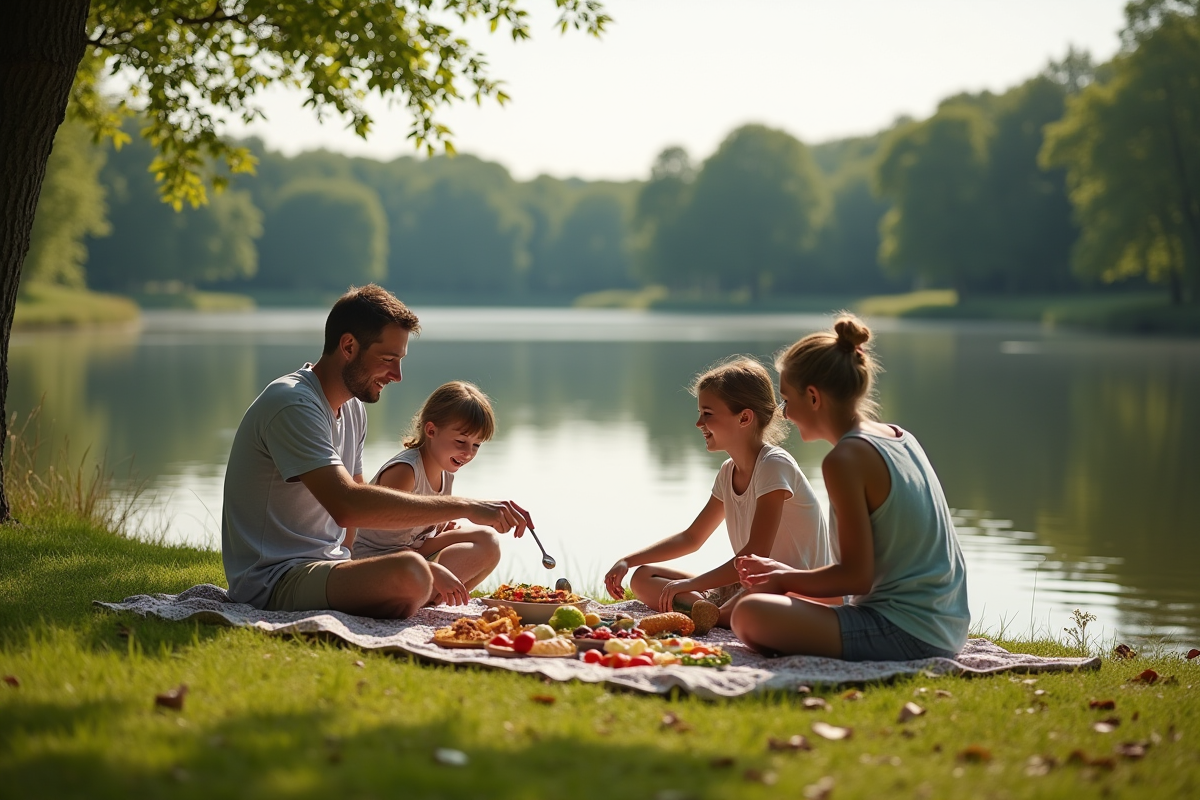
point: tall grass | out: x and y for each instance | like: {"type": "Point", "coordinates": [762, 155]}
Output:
{"type": "Point", "coordinates": [42, 481]}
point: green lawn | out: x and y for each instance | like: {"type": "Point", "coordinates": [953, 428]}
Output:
{"type": "Point", "coordinates": [41, 306]}
{"type": "Point", "coordinates": [283, 717]}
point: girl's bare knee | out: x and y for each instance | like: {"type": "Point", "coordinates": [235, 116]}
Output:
{"type": "Point", "coordinates": [410, 584]}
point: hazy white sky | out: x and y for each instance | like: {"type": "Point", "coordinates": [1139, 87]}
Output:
{"type": "Point", "coordinates": [689, 71]}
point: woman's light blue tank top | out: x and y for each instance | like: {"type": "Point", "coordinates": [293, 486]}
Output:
{"type": "Point", "coordinates": [920, 577]}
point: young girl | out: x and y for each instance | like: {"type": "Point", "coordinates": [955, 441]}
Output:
{"type": "Point", "coordinates": [899, 556]}
{"type": "Point", "coordinates": [445, 436]}
{"type": "Point", "coordinates": [766, 502]}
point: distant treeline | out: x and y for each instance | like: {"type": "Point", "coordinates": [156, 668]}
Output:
{"type": "Point", "coordinates": [1080, 176]}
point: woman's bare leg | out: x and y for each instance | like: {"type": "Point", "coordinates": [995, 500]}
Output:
{"type": "Point", "coordinates": [648, 582]}
{"type": "Point", "coordinates": [775, 624]}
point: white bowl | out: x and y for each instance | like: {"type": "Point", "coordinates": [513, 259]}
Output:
{"type": "Point", "coordinates": [534, 613]}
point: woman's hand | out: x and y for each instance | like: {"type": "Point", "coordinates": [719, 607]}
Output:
{"type": "Point", "coordinates": [614, 578]}
{"type": "Point", "coordinates": [447, 588]}
{"type": "Point", "coordinates": [667, 598]}
{"type": "Point", "coordinates": [760, 574]}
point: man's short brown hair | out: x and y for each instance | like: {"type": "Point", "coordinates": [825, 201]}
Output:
{"type": "Point", "coordinates": [363, 312]}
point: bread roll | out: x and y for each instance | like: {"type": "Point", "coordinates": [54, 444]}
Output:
{"type": "Point", "coordinates": [670, 622]}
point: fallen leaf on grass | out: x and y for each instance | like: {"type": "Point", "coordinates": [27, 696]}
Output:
{"type": "Point", "coordinates": [173, 698]}
{"type": "Point", "coordinates": [1193, 653]}
{"type": "Point", "coordinates": [1148, 677]}
{"type": "Point", "coordinates": [1132, 750]}
{"type": "Point", "coordinates": [12, 680]}
{"type": "Point", "coordinates": [943, 693]}
{"type": "Point", "coordinates": [1124, 651]}
{"type": "Point", "coordinates": [852, 695]}
{"type": "Point", "coordinates": [791, 744]}
{"type": "Point", "coordinates": [1103, 705]}
{"type": "Point", "coordinates": [1106, 725]}
{"type": "Point", "coordinates": [544, 699]}
{"type": "Point", "coordinates": [758, 776]}
{"type": "Point", "coordinates": [451, 758]}
{"type": "Point", "coordinates": [803, 689]}
{"type": "Point", "coordinates": [815, 704]}
{"type": "Point", "coordinates": [909, 711]}
{"type": "Point", "coordinates": [722, 762]}
{"type": "Point", "coordinates": [831, 732]}
{"type": "Point", "coordinates": [821, 790]}
{"type": "Point", "coordinates": [1080, 757]}
{"type": "Point", "coordinates": [975, 754]}
{"type": "Point", "coordinates": [672, 720]}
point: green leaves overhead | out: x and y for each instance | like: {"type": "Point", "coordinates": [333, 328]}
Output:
{"type": "Point", "coordinates": [196, 62]}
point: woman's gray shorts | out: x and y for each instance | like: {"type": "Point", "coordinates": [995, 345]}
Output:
{"type": "Point", "coordinates": [867, 635]}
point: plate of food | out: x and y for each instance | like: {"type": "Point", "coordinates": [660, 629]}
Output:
{"type": "Point", "coordinates": [535, 604]}
{"type": "Point", "coordinates": [477, 631]}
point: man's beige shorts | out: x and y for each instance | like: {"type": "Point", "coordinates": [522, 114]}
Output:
{"type": "Point", "coordinates": [302, 588]}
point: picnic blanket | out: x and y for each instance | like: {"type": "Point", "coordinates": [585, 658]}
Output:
{"type": "Point", "coordinates": [749, 672]}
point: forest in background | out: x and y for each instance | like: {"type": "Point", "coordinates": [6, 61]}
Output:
{"type": "Point", "coordinates": [1084, 177]}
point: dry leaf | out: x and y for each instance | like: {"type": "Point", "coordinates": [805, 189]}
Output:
{"type": "Point", "coordinates": [1029, 681]}
{"type": "Point", "coordinates": [803, 689]}
{"type": "Point", "coordinates": [758, 776]}
{"type": "Point", "coordinates": [852, 695]}
{"type": "Point", "coordinates": [909, 711]}
{"type": "Point", "coordinates": [943, 693]}
{"type": "Point", "coordinates": [1132, 750]}
{"type": "Point", "coordinates": [173, 698]}
{"type": "Point", "coordinates": [1103, 705]}
{"type": "Point", "coordinates": [1124, 651]}
{"type": "Point", "coordinates": [544, 699]}
{"type": "Point", "coordinates": [791, 744]}
{"type": "Point", "coordinates": [975, 754]}
{"type": "Point", "coordinates": [722, 762]}
{"type": "Point", "coordinates": [815, 704]}
{"type": "Point", "coordinates": [12, 680]}
{"type": "Point", "coordinates": [1080, 757]}
{"type": "Point", "coordinates": [831, 732]}
{"type": "Point", "coordinates": [359, 664]}
{"type": "Point", "coordinates": [1192, 653]}
{"type": "Point", "coordinates": [451, 758]}
{"type": "Point", "coordinates": [821, 790]}
{"type": "Point", "coordinates": [1106, 725]}
{"type": "Point", "coordinates": [1147, 677]}
{"type": "Point", "coordinates": [671, 720]}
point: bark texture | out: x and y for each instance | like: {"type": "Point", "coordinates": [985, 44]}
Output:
{"type": "Point", "coordinates": [41, 45]}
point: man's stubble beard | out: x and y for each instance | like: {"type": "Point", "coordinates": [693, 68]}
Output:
{"type": "Point", "coordinates": [358, 381]}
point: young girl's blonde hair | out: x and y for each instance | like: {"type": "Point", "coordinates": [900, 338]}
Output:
{"type": "Point", "coordinates": [455, 403]}
{"type": "Point", "coordinates": [838, 362]}
{"type": "Point", "coordinates": [742, 383]}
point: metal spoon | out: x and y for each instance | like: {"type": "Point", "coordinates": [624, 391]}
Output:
{"type": "Point", "coordinates": [547, 560]}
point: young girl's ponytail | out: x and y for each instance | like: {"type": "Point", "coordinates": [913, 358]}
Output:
{"type": "Point", "coordinates": [839, 363]}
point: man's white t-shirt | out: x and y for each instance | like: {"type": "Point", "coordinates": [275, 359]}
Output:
{"type": "Point", "coordinates": [802, 540]}
{"type": "Point", "coordinates": [271, 521]}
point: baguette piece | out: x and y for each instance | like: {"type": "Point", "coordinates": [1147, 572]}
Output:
{"type": "Point", "coordinates": [670, 622]}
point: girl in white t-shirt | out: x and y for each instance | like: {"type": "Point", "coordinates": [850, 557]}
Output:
{"type": "Point", "coordinates": [766, 502]}
{"type": "Point", "coordinates": [445, 436]}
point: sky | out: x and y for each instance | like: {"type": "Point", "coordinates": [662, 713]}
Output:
{"type": "Point", "coordinates": [688, 72]}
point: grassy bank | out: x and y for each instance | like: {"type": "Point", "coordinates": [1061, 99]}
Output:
{"type": "Point", "coordinates": [271, 717]}
{"type": "Point", "coordinates": [44, 306]}
{"type": "Point", "coordinates": [195, 300]}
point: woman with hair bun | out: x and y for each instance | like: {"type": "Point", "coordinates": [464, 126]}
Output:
{"type": "Point", "coordinates": [900, 566]}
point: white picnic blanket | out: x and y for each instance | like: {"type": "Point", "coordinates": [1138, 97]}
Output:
{"type": "Point", "coordinates": [750, 672]}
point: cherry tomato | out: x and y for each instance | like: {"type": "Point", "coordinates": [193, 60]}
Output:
{"type": "Point", "coordinates": [592, 656]}
{"type": "Point", "coordinates": [641, 661]}
{"type": "Point", "coordinates": [620, 660]}
{"type": "Point", "coordinates": [524, 642]}
{"type": "Point", "coordinates": [501, 640]}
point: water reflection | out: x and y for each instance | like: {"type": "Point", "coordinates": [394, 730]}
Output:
{"type": "Point", "coordinates": [1066, 455]}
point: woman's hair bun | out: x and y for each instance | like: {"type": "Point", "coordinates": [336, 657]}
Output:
{"type": "Point", "coordinates": [851, 332]}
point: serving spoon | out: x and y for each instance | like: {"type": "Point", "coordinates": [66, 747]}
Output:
{"type": "Point", "coordinates": [547, 560]}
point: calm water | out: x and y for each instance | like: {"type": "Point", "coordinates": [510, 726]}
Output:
{"type": "Point", "coordinates": [1070, 458]}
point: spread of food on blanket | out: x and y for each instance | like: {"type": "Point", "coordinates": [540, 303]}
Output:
{"type": "Point", "coordinates": [616, 641]}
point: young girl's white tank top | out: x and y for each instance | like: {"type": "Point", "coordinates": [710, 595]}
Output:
{"type": "Point", "coordinates": [920, 576]}
{"type": "Point", "coordinates": [373, 542]}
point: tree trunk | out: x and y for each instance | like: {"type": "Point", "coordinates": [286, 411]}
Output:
{"type": "Point", "coordinates": [41, 45]}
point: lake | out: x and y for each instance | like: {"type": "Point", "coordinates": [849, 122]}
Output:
{"type": "Point", "coordinates": [1069, 458]}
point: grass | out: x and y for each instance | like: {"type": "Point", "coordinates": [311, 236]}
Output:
{"type": "Point", "coordinates": [268, 716]}
{"type": "Point", "coordinates": [45, 306]}
{"type": "Point", "coordinates": [196, 300]}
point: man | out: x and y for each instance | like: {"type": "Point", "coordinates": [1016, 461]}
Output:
{"type": "Point", "coordinates": [294, 483]}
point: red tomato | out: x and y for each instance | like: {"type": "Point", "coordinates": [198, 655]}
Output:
{"type": "Point", "coordinates": [592, 656]}
{"type": "Point", "coordinates": [524, 642]}
{"type": "Point", "coordinates": [700, 651]}
{"type": "Point", "coordinates": [641, 661]}
{"type": "Point", "coordinates": [620, 660]}
{"type": "Point", "coordinates": [502, 640]}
